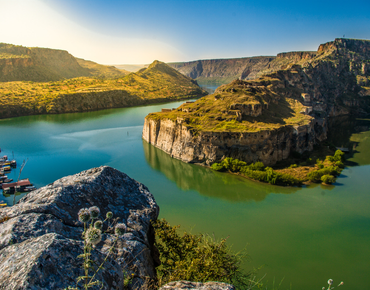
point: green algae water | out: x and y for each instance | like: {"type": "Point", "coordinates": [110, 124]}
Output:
{"type": "Point", "coordinates": [300, 236]}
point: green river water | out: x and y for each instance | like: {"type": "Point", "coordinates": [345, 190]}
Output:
{"type": "Point", "coordinates": [302, 235]}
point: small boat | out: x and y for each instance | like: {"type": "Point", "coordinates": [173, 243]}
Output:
{"type": "Point", "coordinates": [3, 204]}
{"type": "Point", "coordinates": [13, 163]}
{"type": "Point", "coordinates": [5, 179]}
{"type": "Point", "coordinates": [20, 186]}
{"type": "Point", "coordinates": [29, 188]}
{"type": "Point", "coordinates": [6, 168]}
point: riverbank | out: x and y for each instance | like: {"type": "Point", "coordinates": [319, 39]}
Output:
{"type": "Point", "coordinates": [324, 170]}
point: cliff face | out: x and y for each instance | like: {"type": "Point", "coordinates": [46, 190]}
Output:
{"type": "Point", "coordinates": [267, 118]}
{"type": "Point", "coordinates": [268, 146]}
{"type": "Point", "coordinates": [248, 68]}
{"type": "Point", "coordinates": [223, 70]}
{"type": "Point", "coordinates": [41, 238]}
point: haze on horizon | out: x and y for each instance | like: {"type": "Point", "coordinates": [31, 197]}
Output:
{"type": "Point", "coordinates": [138, 32]}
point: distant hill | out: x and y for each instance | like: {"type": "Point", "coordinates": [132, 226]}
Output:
{"type": "Point", "coordinates": [247, 68]}
{"type": "Point", "coordinates": [131, 67]}
{"type": "Point", "coordinates": [157, 83]}
{"type": "Point", "coordinates": [19, 63]}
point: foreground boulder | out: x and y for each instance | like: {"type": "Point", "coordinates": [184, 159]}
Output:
{"type": "Point", "coordinates": [40, 236]}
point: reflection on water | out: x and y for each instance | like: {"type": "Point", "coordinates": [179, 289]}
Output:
{"type": "Point", "coordinates": [354, 134]}
{"type": "Point", "coordinates": [208, 182]}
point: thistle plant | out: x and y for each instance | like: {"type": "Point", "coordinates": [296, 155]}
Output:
{"type": "Point", "coordinates": [330, 283]}
{"type": "Point", "coordinates": [92, 235]}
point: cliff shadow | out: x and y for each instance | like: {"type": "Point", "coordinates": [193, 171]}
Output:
{"type": "Point", "coordinates": [353, 134]}
{"type": "Point", "coordinates": [275, 114]}
{"type": "Point", "coordinates": [210, 183]}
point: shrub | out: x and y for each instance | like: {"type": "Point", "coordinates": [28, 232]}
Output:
{"type": "Point", "coordinates": [257, 166]}
{"type": "Point", "coordinates": [328, 179]}
{"type": "Point", "coordinates": [197, 258]}
{"type": "Point", "coordinates": [340, 164]}
{"type": "Point", "coordinates": [338, 155]}
{"type": "Point", "coordinates": [218, 167]}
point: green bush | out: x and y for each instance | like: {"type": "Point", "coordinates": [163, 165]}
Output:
{"type": "Point", "coordinates": [197, 258]}
{"type": "Point", "coordinates": [338, 155]}
{"type": "Point", "coordinates": [340, 164]}
{"type": "Point", "coordinates": [328, 179]}
{"type": "Point", "coordinates": [218, 167]}
{"type": "Point", "coordinates": [315, 176]}
{"type": "Point", "coordinates": [257, 166]}
{"type": "Point", "coordinates": [256, 171]}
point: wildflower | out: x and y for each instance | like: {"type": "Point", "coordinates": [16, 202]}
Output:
{"type": "Point", "coordinates": [330, 281]}
{"type": "Point", "coordinates": [94, 212]}
{"type": "Point", "coordinates": [109, 215]}
{"type": "Point", "coordinates": [120, 229]}
{"type": "Point", "coordinates": [340, 284]}
{"type": "Point", "coordinates": [84, 215]}
{"type": "Point", "coordinates": [98, 224]}
{"type": "Point", "coordinates": [93, 236]}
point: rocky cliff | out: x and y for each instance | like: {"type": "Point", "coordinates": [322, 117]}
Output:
{"type": "Point", "coordinates": [40, 236]}
{"type": "Point", "coordinates": [267, 118]}
{"type": "Point", "coordinates": [224, 71]}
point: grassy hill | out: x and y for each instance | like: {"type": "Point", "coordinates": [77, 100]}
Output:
{"type": "Point", "coordinates": [18, 63]}
{"type": "Point", "coordinates": [158, 82]}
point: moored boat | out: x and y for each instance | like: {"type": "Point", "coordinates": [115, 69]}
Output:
{"type": "Point", "coordinates": [23, 185]}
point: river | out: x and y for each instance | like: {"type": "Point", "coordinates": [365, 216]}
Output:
{"type": "Point", "coordinates": [301, 235]}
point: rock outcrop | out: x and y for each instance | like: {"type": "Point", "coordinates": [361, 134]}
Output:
{"type": "Point", "coordinates": [40, 236]}
{"type": "Point", "coordinates": [268, 146]}
{"type": "Point", "coordinates": [267, 118]}
{"type": "Point", "coordinates": [197, 286]}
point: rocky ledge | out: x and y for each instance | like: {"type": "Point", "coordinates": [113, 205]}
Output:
{"type": "Point", "coordinates": [40, 236]}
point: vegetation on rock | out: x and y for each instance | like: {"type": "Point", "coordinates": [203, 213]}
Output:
{"type": "Point", "coordinates": [197, 258]}
{"type": "Point", "coordinates": [323, 171]}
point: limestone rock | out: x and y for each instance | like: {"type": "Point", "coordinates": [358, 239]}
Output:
{"type": "Point", "coordinates": [40, 242]}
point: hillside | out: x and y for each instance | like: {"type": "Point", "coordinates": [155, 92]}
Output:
{"type": "Point", "coordinates": [226, 70]}
{"type": "Point", "coordinates": [287, 108]}
{"type": "Point", "coordinates": [18, 63]}
{"type": "Point", "coordinates": [157, 83]}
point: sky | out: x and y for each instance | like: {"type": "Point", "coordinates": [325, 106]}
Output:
{"type": "Point", "coordinates": [141, 31]}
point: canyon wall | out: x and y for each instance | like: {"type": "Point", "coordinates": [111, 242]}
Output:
{"type": "Point", "coordinates": [331, 82]}
{"type": "Point", "coordinates": [247, 68]}
{"type": "Point", "coordinates": [268, 146]}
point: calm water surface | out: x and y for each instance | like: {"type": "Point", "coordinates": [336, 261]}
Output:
{"type": "Point", "coordinates": [302, 235]}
